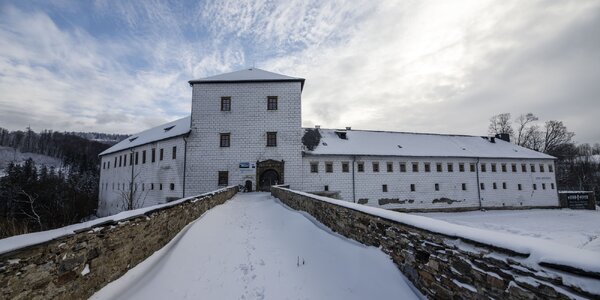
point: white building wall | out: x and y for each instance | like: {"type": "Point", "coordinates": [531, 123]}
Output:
{"type": "Point", "coordinates": [369, 190]}
{"type": "Point", "coordinates": [147, 177]}
{"type": "Point", "coordinates": [248, 122]}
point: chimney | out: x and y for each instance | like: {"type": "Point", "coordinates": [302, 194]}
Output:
{"type": "Point", "coordinates": [317, 126]}
{"type": "Point", "coordinates": [503, 136]}
{"type": "Point", "coordinates": [348, 128]}
{"type": "Point", "coordinates": [492, 140]}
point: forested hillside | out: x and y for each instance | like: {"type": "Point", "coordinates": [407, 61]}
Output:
{"type": "Point", "coordinates": [40, 196]}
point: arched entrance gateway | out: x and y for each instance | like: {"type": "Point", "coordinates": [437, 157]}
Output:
{"type": "Point", "coordinates": [269, 172]}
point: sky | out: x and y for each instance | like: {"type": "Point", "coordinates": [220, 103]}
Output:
{"type": "Point", "coordinates": [421, 66]}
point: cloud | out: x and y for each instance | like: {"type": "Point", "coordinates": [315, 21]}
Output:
{"type": "Point", "coordinates": [390, 65]}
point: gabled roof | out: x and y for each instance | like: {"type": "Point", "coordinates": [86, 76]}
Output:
{"type": "Point", "coordinates": [165, 131]}
{"type": "Point", "coordinates": [248, 75]}
{"type": "Point", "coordinates": [385, 143]}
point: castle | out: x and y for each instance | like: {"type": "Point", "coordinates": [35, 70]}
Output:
{"type": "Point", "coordinates": [245, 129]}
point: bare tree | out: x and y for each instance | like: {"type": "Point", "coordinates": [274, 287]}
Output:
{"type": "Point", "coordinates": [556, 134]}
{"type": "Point", "coordinates": [133, 197]}
{"type": "Point", "coordinates": [501, 123]}
{"type": "Point", "coordinates": [524, 123]}
{"type": "Point", "coordinates": [31, 212]}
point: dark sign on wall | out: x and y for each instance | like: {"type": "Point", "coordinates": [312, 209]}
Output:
{"type": "Point", "coordinates": [577, 200]}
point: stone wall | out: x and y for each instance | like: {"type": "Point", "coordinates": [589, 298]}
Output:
{"type": "Point", "coordinates": [447, 267]}
{"type": "Point", "coordinates": [76, 266]}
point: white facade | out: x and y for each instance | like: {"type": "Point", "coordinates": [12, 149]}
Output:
{"type": "Point", "coordinates": [238, 107]}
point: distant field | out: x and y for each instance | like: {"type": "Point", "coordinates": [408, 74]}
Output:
{"type": "Point", "coordinates": [578, 228]}
{"type": "Point", "coordinates": [8, 155]}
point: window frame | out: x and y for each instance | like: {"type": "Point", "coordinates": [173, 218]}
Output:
{"type": "Point", "coordinates": [272, 103]}
{"type": "Point", "coordinates": [223, 178]}
{"type": "Point", "coordinates": [225, 140]}
{"type": "Point", "coordinates": [271, 138]}
{"type": "Point", "coordinates": [226, 103]}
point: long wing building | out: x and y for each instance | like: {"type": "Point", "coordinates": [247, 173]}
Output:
{"type": "Point", "coordinates": [245, 129]}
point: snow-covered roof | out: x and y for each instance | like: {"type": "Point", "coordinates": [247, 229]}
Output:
{"type": "Point", "coordinates": [385, 143]}
{"type": "Point", "coordinates": [247, 75]}
{"type": "Point", "coordinates": [164, 131]}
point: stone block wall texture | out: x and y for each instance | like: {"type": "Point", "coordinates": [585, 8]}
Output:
{"type": "Point", "coordinates": [444, 267]}
{"type": "Point", "coordinates": [55, 269]}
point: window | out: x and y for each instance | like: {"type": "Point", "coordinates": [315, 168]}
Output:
{"type": "Point", "coordinates": [225, 139]}
{"type": "Point", "coordinates": [514, 167]}
{"type": "Point", "coordinates": [494, 186]}
{"type": "Point", "coordinates": [152, 186]}
{"type": "Point", "coordinates": [120, 160]}
{"type": "Point", "coordinates": [375, 167]}
{"type": "Point", "coordinates": [412, 187]}
{"type": "Point", "coordinates": [472, 167]}
{"type": "Point", "coordinates": [328, 167]}
{"type": "Point", "coordinates": [360, 166]}
{"type": "Point", "coordinates": [161, 154]}
{"type": "Point", "coordinates": [402, 167]}
{"type": "Point", "coordinates": [225, 103]}
{"type": "Point", "coordinates": [174, 155]}
{"type": "Point", "coordinates": [532, 167]}
{"type": "Point", "coordinates": [541, 168]}
{"type": "Point", "coordinates": [172, 186]}
{"type": "Point", "coordinates": [384, 188]}
{"type": "Point", "coordinates": [345, 167]}
{"type": "Point", "coordinates": [483, 168]}
{"type": "Point", "coordinates": [153, 154]}
{"type": "Point", "coordinates": [552, 185]}
{"type": "Point", "coordinates": [464, 186]}
{"type": "Point", "coordinates": [144, 156]}
{"type": "Point", "coordinates": [450, 167]}
{"type": "Point", "coordinates": [271, 139]}
{"type": "Point", "coordinates": [504, 168]}
{"type": "Point", "coordinates": [223, 178]}
{"type": "Point", "coordinates": [415, 167]}
{"type": "Point", "coordinates": [427, 167]}
{"type": "Point", "coordinates": [314, 167]}
{"type": "Point", "coordinates": [137, 158]}
{"type": "Point", "coordinates": [550, 168]}
{"type": "Point", "coordinates": [272, 103]}
{"type": "Point", "coordinates": [461, 167]}
{"type": "Point", "coordinates": [130, 159]}
{"type": "Point", "coordinates": [519, 187]}
{"type": "Point", "coordinates": [160, 186]}
{"type": "Point", "coordinates": [438, 167]}
{"type": "Point", "coordinates": [115, 165]}
{"type": "Point", "coordinates": [534, 186]}
{"type": "Point", "coordinates": [143, 186]}
{"type": "Point", "coordinates": [543, 186]}
{"type": "Point", "coordinates": [390, 167]}
{"type": "Point", "coordinates": [482, 186]}
{"type": "Point", "coordinates": [493, 167]}
{"type": "Point", "coordinates": [524, 168]}
{"type": "Point", "coordinates": [326, 188]}
{"type": "Point", "coordinates": [504, 185]}
{"type": "Point", "coordinates": [437, 186]}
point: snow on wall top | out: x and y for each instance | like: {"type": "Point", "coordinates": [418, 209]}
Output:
{"type": "Point", "coordinates": [161, 132]}
{"type": "Point", "coordinates": [537, 250]}
{"type": "Point", "coordinates": [385, 143]}
{"type": "Point", "coordinates": [252, 74]}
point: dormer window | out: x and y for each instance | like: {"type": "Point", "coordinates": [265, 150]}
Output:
{"type": "Point", "coordinates": [342, 135]}
{"type": "Point", "coordinates": [169, 128]}
{"type": "Point", "coordinates": [133, 139]}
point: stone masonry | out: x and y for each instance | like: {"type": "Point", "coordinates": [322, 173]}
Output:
{"type": "Point", "coordinates": [56, 269]}
{"type": "Point", "coordinates": [446, 267]}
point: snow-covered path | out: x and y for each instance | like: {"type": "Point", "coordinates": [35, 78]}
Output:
{"type": "Point", "coordinates": [253, 247]}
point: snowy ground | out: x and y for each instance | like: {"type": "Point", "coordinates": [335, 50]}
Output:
{"type": "Point", "coordinates": [253, 247]}
{"type": "Point", "coordinates": [577, 228]}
